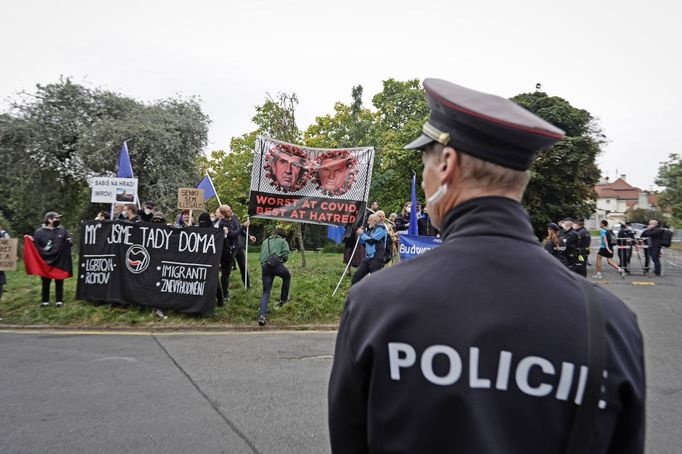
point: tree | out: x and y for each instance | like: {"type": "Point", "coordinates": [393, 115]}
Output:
{"type": "Point", "coordinates": [643, 216]}
{"type": "Point", "coordinates": [562, 177]}
{"type": "Point", "coordinates": [53, 140]}
{"type": "Point", "coordinates": [670, 178]}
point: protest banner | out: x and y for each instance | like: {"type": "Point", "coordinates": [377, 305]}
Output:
{"type": "Point", "coordinates": [150, 265]}
{"type": "Point", "coordinates": [113, 190]}
{"type": "Point", "coordinates": [414, 245]}
{"type": "Point", "coordinates": [190, 199]}
{"type": "Point", "coordinates": [301, 184]}
{"type": "Point", "coordinates": [8, 254]}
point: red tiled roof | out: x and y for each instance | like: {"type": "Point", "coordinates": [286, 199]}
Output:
{"type": "Point", "coordinates": [619, 189]}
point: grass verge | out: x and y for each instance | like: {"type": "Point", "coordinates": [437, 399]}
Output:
{"type": "Point", "coordinates": [310, 295]}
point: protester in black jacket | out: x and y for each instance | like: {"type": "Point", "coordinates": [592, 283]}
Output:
{"type": "Point", "coordinates": [654, 235]}
{"type": "Point", "coordinates": [424, 225]}
{"type": "Point", "coordinates": [402, 222]}
{"type": "Point", "coordinates": [53, 243]}
{"type": "Point", "coordinates": [148, 213]}
{"type": "Point", "coordinates": [131, 213]}
{"type": "Point", "coordinates": [227, 221]}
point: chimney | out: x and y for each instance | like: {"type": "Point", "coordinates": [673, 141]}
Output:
{"type": "Point", "coordinates": [623, 176]}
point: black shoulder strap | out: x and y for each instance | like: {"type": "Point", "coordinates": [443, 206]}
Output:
{"type": "Point", "coordinates": [585, 415]}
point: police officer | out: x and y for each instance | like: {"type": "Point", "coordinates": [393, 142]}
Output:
{"type": "Point", "coordinates": [480, 345]}
{"type": "Point", "coordinates": [625, 240]}
{"type": "Point", "coordinates": [569, 246]}
{"type": "Point", "coordinates": [584, 243]}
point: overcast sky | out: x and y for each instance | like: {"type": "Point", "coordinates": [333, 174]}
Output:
{"type": "Point", "coordinates": [620, 60]}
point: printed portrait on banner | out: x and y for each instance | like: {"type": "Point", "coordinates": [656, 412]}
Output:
{"type": "Point", "coordinates": [303, 184]}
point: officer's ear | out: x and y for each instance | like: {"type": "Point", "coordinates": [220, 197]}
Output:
{"type": "Point", "coordinates": [449, 163]}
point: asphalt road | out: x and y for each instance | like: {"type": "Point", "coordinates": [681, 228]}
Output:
{"type": "Point", "coordinates": [242, 392]}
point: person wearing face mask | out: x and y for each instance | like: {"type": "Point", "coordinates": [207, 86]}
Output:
{"type": "Point", "coordinates": [485, 344]}
{"type": "Point", "coordinates": [53, 243]}
{"type": "Point", "coordinates": [569, 243]}
{"type": "Point", "coordinates": [148, 213]}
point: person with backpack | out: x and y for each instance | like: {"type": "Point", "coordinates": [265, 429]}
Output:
{"type": "Point", "coordinates": [274, 252]}
{"type": "Point", "coordinates": [654, 234]}
{"type": "Point", "coordinates": [391, 238]}
{"type": "Point", "coordinates": [608, 241]}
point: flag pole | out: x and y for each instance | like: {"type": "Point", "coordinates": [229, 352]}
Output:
{"type": "Point", "coordinates": [210, 180]}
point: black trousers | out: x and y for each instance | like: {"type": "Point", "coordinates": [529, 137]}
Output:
{"type": "Point", "coordinates": [59, 289]}
{"type": "Point", "coordinates": [240, 258]}
{"type": "Point", "coordinates": [367, 266]}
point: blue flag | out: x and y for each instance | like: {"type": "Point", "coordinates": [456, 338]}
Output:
{"type": "Point", "coordinates": [335, 233]}
{"type": "Point", "coordinates": [207, 185]}
{"type": "Point", "coordinates": [125, 169]}
{"type": "Point", "coordinates": [412, 229]}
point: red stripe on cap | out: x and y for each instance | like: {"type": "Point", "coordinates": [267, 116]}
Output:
{"type": "Point", "coordinates": [494, 120]}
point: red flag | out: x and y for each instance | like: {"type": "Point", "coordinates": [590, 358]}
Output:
{"type": "Point", "coordinates": [35, 265]}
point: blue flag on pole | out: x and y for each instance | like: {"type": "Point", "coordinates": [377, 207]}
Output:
{"type": "Point", "coordinates": [207, 185]}
{"type": "Point", "coordinates": [335, 233]}
{"type": "Point", "coordinates": [412, 229]}
{"type": "Point", "coordinates": [125, 168]}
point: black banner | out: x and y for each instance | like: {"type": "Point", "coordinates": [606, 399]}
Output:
{"type": "Point", "coordinates": [150, 265]}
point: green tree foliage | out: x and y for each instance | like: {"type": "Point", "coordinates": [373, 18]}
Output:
{"type": "Point", "coordinates": [563, 177]}
{"type": "Point", "coordinates": [53, 140]}
{"type": "Point", "coordinates": [670, 178]}
{"type": "Point", "coordinates": [643, 216]}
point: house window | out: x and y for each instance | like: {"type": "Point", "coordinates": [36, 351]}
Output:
{"type": "Point", "coordinates": [608, 200]}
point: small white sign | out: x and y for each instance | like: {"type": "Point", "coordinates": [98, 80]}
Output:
{"type": "Point", "coordinates": [113, 190]}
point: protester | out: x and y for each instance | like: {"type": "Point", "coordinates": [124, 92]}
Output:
{"type": "Point", "coordinates": [274, 252]}
{"type": "Point", "coordinates": [119, 215]}
{"type": "Point", "coordinates": [424, 225]}
{"type": "Point", "coordinates": [233, 230]}
{"type": "Point", "coordinates": [584, 243]}
{"type": "Point", "coordinates": [392, 241]}
{"type": "Point", "coordinates": [148, 213]}
{"type": "Point", "coordinates": [654, 234]}
{"type": "Point", "coordinates": [402, 222]}
{"type": "Point", "coordinates": [205, 222]}
{"type": "Point", "coordinates": [606, 250]}
{"type": "Point", "coordinates": [353, 251]}
{"type": "Point", "coordinates": [374, 240]}
{"type": "Point", "coordinates": [374, 206]}
{"type": "Point", "coordinates": [158, 218]}
{"type": "Point", "coordinates": [53, 243]}
{"type": "Point", "coordinates": [131, 213]}
{"type": "Point", "coordinates": [392, 218]}
{"type": "Point", "coordinates": [184, 219]}
{"type": "Point", "coordinates": [551, 243]}
{"type": "Point", "coordinates": [102, 216]}
{"type": "Point", "coordinates": [240, 257]}
{"type": "Point", "coordinates": [625, 240]}
{"type": "Point", "coordinates": [480, 345]}
{"type": "Point", "coordinates": [3, 279]}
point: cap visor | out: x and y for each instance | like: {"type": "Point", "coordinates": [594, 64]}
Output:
{"type": "Point", "coordinates": [419, 143]}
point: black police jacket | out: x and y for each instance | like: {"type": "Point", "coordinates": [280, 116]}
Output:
{"type": "Point", "coordinates": [569, 247]}
{"type": "Point", "coordinates": [585, 241]}
{"type": "Point", "coordinates": [479, 346]}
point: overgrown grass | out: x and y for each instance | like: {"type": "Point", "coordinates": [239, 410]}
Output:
{"type": "Point", "coordinates": [310, 295]}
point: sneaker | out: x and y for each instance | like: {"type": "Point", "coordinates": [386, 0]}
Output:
{"type": "Point", "coordinates": [59, 304]}
{"type": "Point", "coordinates": [282, 302]}
{"type": "Point", "coordinates": [44, 304]}
{"type": "Point", "coordinates": [261, 320]}
{"type": "Point", "coordinates": [159, 313]}
{"type": "Point", "coordinates": [597, 276]}
{"type": "Point", "coordinates": [621, 271]}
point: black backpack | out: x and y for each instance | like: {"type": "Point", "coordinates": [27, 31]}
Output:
{"type": "Point", "coordinates": [667, 239]}
{"type": "Point", "coordinates": [388, 248]}
{"type": "Point", "coordinates": [610, 237]}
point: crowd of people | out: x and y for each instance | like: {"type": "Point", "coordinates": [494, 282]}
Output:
{"type": "Point", "coordinates": [570, 242]}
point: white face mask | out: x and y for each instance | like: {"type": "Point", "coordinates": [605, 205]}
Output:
{"type": "Point", "coordinates": [436, 196]}
{"type": "Point", "coordinates": [148, 210]}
